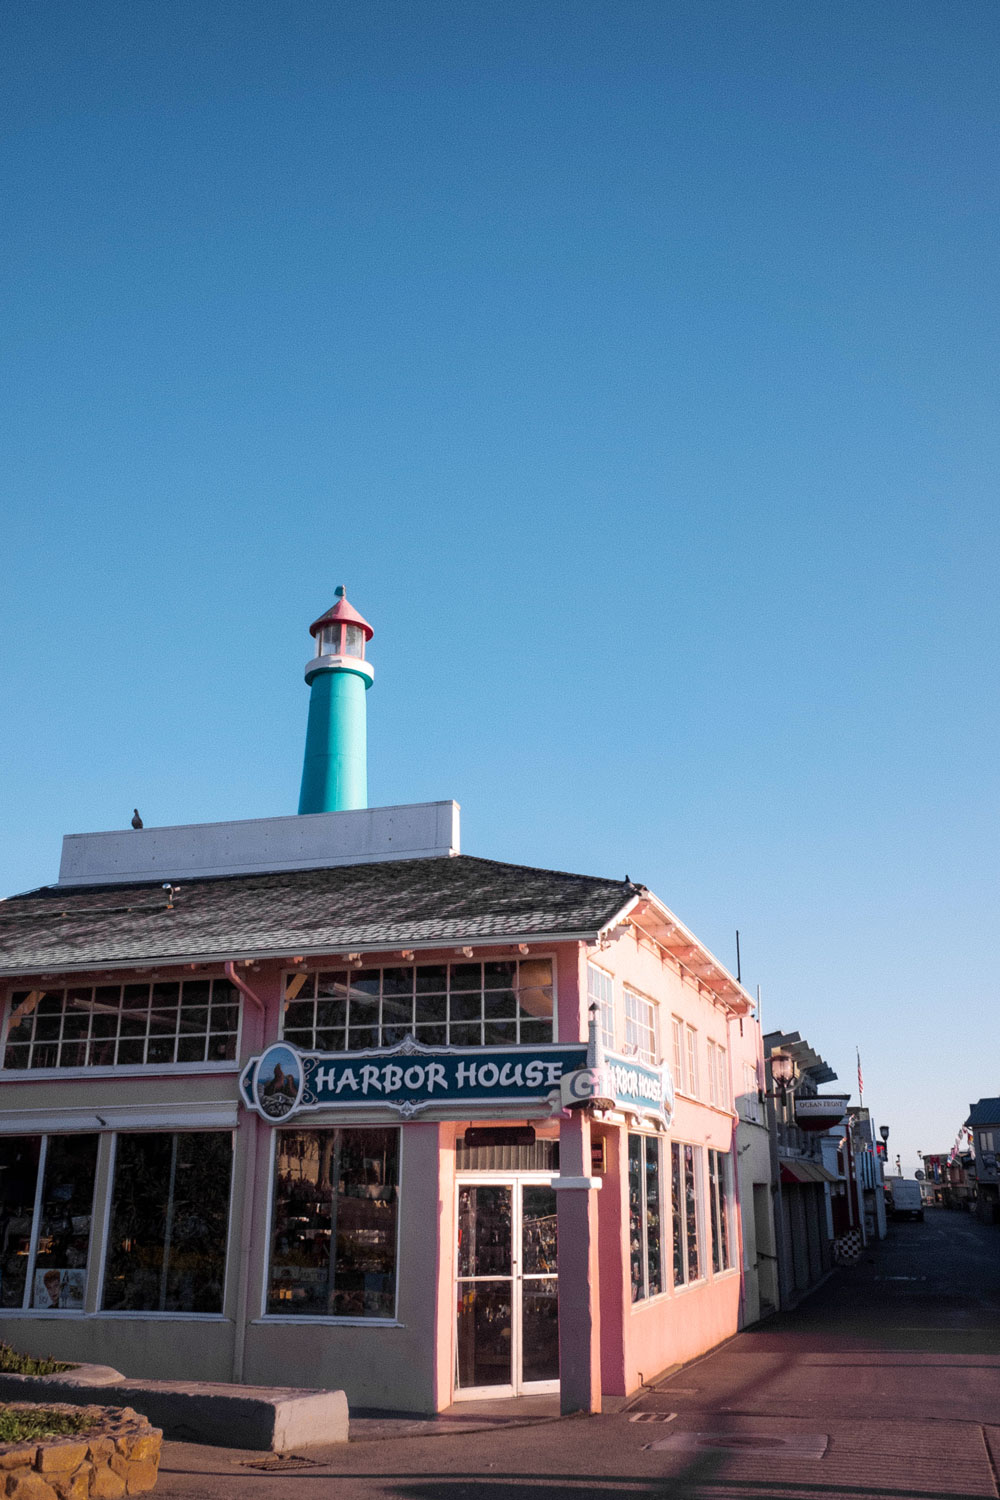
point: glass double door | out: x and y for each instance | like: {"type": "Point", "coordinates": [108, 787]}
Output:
{"type": "Point", "coordinates": [507, 1332]}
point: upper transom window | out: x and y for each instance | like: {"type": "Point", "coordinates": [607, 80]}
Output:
{"type": "Point", "coordinates": [490, 1004]}
{"type": "Point", "coordinates": [114, 1025]}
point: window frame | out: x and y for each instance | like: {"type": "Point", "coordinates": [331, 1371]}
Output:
{"type": "Point", "coordinates": [606, 1004]}
{"type": "Point", "coordinates": [656, 1142]}
{"type": "Point", "coordinates": [107, 1208]}
{"type": "Point", "coordinates": [680, 1207]}
{"type": "Point", "coordinates": [124, 1070]}
{"type": "Point", "coordinates": [270, 1319]}
{"type": "Point", "coordinates": [650, 1027]}
{"type": "Point", "coordinates": [93, 1261]}
{"type": "Point", "coordinates": [722, 1199]}
{"type": "Point", "coordinates": [691, 1061]}
{"type": "Point", "coordinates": [415, 1027]}
{"type": "Point", "coordinates": [677, 1034]}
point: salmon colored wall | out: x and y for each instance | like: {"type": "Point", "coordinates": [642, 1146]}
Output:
{"type": "Point", "coordinates": [639, 1340]}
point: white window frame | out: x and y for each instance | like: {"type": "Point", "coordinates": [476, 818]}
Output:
{"type": "Point", "coordinates": [124, 1070]}
{"type": "Point", "coordinates": [751, 1108]}
{"type": "Point", "coordinates": [713, 1083]}
{"type": "Point", "coordinates": [641, 1025]}
{"type": "Point", "coordinates": [677, 1030]}
{"type": "Point", "coordinates": [722, 1201]}
{"type": "Point", "coordinates": [601, 992]}
{"type": "Point", "coordinates": [655, 1143]}
{"type": "Point", "coordinates": [289, 974]}
{"type": "Point", "coordinates": [691, 1055]}
{"type": "Point", "coordinates": [699, 1213]}
{"type": "Point", "coordinates": [722, 1069]}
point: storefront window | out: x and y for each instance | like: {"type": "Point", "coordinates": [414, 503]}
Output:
{"type": "Point", "coordinates": [720, 1178]}
{"type": "Point", "coordinates": [333, 1244]}
{"type": "Point", "coordinates": [685, 1177]}
{"type": "Point", "coordinates": [169, 1221]}
{"type": "Point", "coordinates": [47, 1269]}
{"type": "Point", "coordinates": [116, 1025]}
{"type": "Point", "coordinates": [648, 1273]}
{"type": "Point", "coordinates": [504, 1004]}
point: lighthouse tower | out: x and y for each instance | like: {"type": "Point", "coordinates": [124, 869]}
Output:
{"type": "Point", "coordinates": [335, 769]}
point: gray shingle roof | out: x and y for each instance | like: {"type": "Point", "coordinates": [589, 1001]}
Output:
{"type": "Point", "coordinates": [984, 1112]}
{"type": "Point", "coordinates": [347, 908]}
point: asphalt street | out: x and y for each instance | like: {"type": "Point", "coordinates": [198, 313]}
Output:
{"type": "Point", "coordinates": [884, 1383]}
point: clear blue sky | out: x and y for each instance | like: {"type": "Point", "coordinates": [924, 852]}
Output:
{"type": "Point", "coordinates": [634, 366]}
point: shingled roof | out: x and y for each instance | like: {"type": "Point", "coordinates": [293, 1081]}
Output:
{"type": "Point", "coordinates": [346, 908]}
{"type": "Point", "coordinates": [984, 1112]}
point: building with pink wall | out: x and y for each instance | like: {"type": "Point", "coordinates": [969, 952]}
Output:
{"type": "Point", "coordinates": [328, 1102]}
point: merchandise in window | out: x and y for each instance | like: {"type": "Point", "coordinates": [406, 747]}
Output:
{"type": "Point", "coordinates": [601, 992]}
{"type": "Point", "coordinates": [47, 1270]}
{"type": "Point", "coordinates": [118, 1025]}
{"type": "Point", "coordinates": [685, 1177]}
{"type": "Point", "coordinates": [333, 1239]}
{"type": "Point", "coordinates": [169, 1222]}
{"type": "Point", "coordinates": [720, 1197]}
{"type": "Point", "coordinates": [502, 1004]}
{"type": "Point", "coordinates": [648, 1272]}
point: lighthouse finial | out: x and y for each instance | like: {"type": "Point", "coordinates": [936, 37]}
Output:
{"type": "Point", "coordinates": [340, 591]}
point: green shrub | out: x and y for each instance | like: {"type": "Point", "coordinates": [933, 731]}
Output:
{"type": "Point", "coordinates": [24, 1424]}
{"type": "Point", "coordinates": [12, 1362]}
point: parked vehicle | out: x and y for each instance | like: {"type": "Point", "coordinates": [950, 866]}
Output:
{"type": "Point", "coordinates": [904, 1198]}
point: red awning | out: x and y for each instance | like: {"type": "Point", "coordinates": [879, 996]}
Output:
{"type": "Point", "coordinates": [794, 1172]}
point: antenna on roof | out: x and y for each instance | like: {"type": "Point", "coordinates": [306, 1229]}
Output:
{"type": "Point", "coordinates": [739, 977]}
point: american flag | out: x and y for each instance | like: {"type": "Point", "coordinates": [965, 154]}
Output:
{"type": "Point", "coordinates": [861, 1081]}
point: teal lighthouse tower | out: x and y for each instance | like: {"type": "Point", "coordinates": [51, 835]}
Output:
{"type": "Point", "coordinates": [335, 770]}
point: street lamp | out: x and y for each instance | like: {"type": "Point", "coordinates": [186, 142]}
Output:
{"type": "Point", "coordinates": [782, 1072]}
{"type": "Point", "coordinates": [883, 1131]}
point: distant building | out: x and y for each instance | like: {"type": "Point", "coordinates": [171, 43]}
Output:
{"type": "Point", "coordinates": [984, 1123]}
{"type": "Point", "coordinates": [805, 1186]}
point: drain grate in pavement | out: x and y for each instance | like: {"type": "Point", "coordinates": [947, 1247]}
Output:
{"type": "Point", "coordinates": [276, 1463]}
{"type": "Point", "coordinates": [652, 1416]}
{"type": "Point", "coordinates": [792, 1445]}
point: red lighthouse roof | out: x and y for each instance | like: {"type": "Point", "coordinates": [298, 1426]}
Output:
{"type": "Point", "coordinates": [341, 613]}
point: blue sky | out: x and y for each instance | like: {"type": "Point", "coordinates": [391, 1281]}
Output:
{"type": "Point", "coordinates": [632, 364]}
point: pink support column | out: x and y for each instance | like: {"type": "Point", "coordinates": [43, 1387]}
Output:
{"type": "Point", "coordinates": [579, 1268]}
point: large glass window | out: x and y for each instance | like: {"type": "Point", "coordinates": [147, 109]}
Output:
{"type": "Point", "coordinates": [46, 1204]}
{"type": "Point", "coordinates": [685, 1177]}
{"type": "Point", "coordinates": [601, 992]}
{"type": "Point", "coordinates": [500, 1004]}
{"type": "Point", "coordinates": [333, 1238]}
{"type": "Point", "coordinates": [720, 1179]}
{"type": "Point", "coordinates": [645, 1192]}
{"type": "Point", "coordinates": [108, 1025]}
{"type": "Point", "coordinates": [169, 1220]}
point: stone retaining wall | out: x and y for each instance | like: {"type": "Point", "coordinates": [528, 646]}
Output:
{"type": "Point", "coordinates": [119, 1456]}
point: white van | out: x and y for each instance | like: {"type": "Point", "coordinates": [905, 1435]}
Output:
{"type": "Point", "coordinates": [904, 1198]}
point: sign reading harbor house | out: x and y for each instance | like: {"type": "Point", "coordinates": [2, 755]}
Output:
{"type": "Point", "coordinates": [624, 1084]}
{"type": "Point", "coordinates": [408, 1077]}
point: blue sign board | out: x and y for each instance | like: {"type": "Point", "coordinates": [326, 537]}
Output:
{"type": "Point", "coordinates": [407, 1078]}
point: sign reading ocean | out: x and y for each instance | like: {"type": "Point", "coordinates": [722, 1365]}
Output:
{"type": "Point", "coordinates": [406, 1078]}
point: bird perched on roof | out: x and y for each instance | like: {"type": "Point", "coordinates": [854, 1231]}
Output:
{"type": "Point", "coordinates": [136, 820]}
